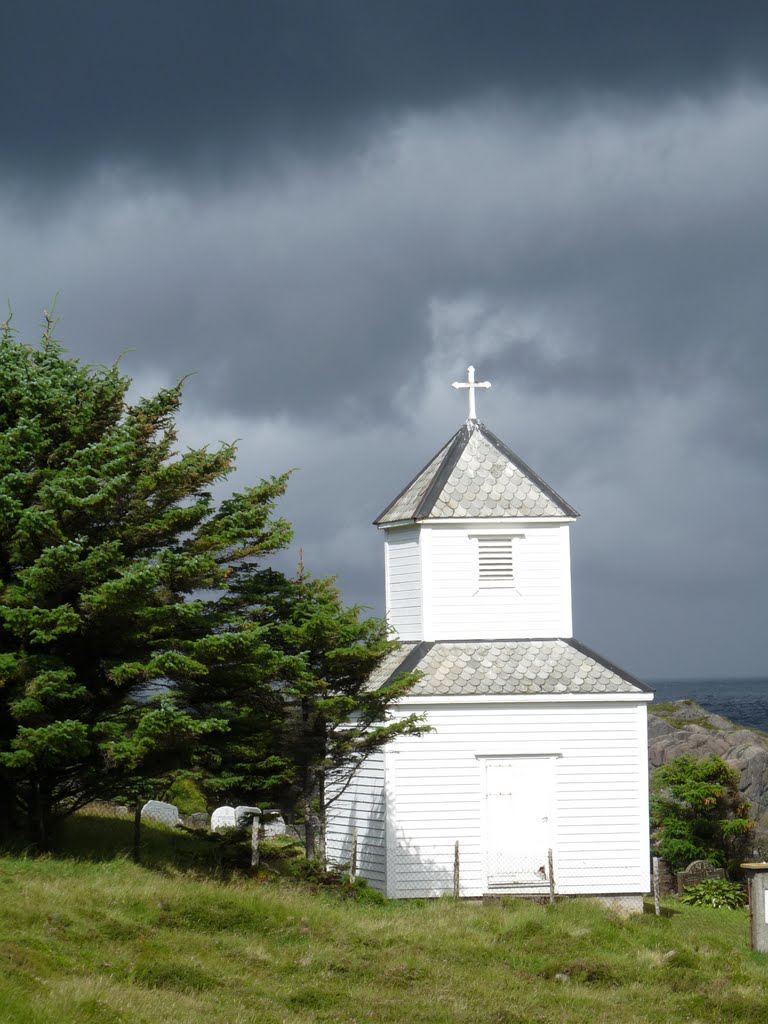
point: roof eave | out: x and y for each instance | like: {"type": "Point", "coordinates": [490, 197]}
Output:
{"type": "Point", "coordinates": [623, 696]}
{"type": "Point", "coordinates": [491, 521]}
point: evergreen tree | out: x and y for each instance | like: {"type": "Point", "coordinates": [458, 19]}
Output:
{"type": "Point", "coordinates": [107, 535]}
{"type": "Point", "coordinates": [698, 813]}
{"type": "Point", "coordinates": [151, 742]}
{"type": "Point", "coordinates": [328, 719]}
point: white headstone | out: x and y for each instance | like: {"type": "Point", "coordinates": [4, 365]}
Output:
{"type": "Point", "coordinates": [245, 815]}
{"type": "Point", "coordinates": [273, 825]}
{"type": "Point", "coordinates": [158, 810]}
{"type": "Point", "coordinates": [223, 817]}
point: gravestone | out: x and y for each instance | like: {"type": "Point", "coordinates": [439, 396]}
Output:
{"type": "Point", "coordinates": [223, 817]}
{"type": "Point", "coordinates": [245, 815]}
{"type": "Point", "coordinates": [165, 814]}
{"type": "Point", "coordinates": [273, 824]}
{"type": "Point", "coordinates": [200, 819]}
{"type": "Point", "coordinates": [697, 871]}
{"type": "Point", "coordinates": [106, 809]}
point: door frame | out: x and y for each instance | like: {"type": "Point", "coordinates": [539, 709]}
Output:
{"type": "Point", "coordinates": [523, 888]}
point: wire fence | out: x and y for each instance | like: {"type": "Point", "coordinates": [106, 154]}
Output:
{"type": "Point", "coordinates": [461, 870]}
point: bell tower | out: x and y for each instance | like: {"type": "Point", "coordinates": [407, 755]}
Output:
{"type": "Point", "coordinates": [477, 545]}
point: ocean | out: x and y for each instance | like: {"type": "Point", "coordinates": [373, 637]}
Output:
{"type": "Point", "coordinates": [744, 701]}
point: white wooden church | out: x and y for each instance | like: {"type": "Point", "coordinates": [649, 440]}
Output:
{"type": "Point", "coordinates": [537, 759]}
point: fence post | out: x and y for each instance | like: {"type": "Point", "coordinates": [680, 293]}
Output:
{"type": "Point", "coordinates": [456, 884]}
{"type": "Point", "coordinates": [353, 857]}
{"type": "Point", "coordinates": [255, 831]}
{"type": "Point", "coordinates": [656, 887]}
{"type": "Point", "coordinates": [551, 866]}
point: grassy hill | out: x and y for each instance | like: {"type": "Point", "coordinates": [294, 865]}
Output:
{"type": "Point", "coordinates": [106, 942]}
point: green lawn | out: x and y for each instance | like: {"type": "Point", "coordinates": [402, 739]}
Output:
{"type": "Point", "coordinates": [106, 942]}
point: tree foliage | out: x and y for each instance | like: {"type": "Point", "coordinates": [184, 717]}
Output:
{"type": "Point", "coordinates": [149, 742]}
{"type": "Point", "coordinates": [328, 718]}
{"type": "Point", "coordinates": [108, 536]}
{"type": "Point", "coordinates": [697, 812]}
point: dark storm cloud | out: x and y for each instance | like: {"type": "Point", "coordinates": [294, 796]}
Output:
{"type": "Point", "coordinates": [327, 210]}
{"type": "Point", "coordinates": [186, 88]}
{"type": "Point", "coordinates": [634, 243]}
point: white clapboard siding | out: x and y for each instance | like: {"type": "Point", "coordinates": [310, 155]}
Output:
{"type": "Point", "coordinates": [599, 811]}
{"type": "Point", "coordinates": [360, 808]}
{"type": "Point", "coordinates": [404, 582]}
{"type": "Point", "coordinates": [460, 603]}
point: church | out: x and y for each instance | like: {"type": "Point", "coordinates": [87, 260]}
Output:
{"type": "Point", "coordinates": [533, 778]}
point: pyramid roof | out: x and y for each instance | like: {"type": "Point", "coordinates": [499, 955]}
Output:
{"type": "Point", "coordinates": [466, 668]}
{"type": "Point", "coordinates": [475, 476]}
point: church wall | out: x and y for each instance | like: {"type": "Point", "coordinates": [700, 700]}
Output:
{"type": "Point", "coordinates": [538, 604]}
{"type": "Point", "coordinates": [360, 807]}
{"type": "Point", "coordinates": [403, 582]}
{"type": "Point", "coordinates": [599, 812]}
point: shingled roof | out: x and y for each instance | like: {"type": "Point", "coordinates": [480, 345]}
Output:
{"type": "Point", "coordinates": [463, 668]}
{"type": "Point", "coordinates": [475, 476]}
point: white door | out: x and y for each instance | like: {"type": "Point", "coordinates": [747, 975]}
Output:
{"type": "Point", "coordinates": [518, 794]}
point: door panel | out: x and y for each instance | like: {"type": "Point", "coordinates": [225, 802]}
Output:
{"type": "Point", "coordinates": [518, 793]}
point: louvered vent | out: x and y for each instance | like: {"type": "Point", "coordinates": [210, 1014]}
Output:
{"type": "Point", "coordinates": [495, 561]}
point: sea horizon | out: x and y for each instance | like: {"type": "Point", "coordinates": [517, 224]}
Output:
{"type": "Point", "coordinates": [743, 700]}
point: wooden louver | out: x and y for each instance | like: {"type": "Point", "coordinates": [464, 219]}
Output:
{"type": "Point", "coordinates": [495, 560]}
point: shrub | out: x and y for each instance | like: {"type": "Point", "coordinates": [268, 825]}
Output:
{"type": "Point", "coordinates": [715, 892]}
{"type": "Point", "coordinates": [697, 813]}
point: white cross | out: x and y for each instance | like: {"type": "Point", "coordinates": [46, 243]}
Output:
{"type": "Point", "coordinates": [471, 385]}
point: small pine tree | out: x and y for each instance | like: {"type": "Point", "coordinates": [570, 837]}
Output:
{"type": "Point", "coordinates": [150, 743]}
{"type": "Point", "coordinates": [327, 719]}
{"type": "Point", "coordinates": [697, 813]}
{"type": "Point", "coordinates": [107, 538]}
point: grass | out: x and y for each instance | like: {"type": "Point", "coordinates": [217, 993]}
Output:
{"type": "Point", "coordinates": [678, 713]}
{"type": "Point", "coordinates": [107, 942]}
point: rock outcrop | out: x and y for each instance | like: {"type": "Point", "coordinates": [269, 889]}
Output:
{"type": "Point", "coordinates": [683, 727]}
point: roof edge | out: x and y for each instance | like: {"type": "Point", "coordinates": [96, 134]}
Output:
{"type": "Point", "coordinates": [409, 662]}
{"type": "Point", "coordinates": [611, 666]}
{"type": "Point", "coordinates": [457, 445]}
{"type": "Point", "coordinates": [524, 468]}
{"type": "Point", "coordinates": [446, 447]}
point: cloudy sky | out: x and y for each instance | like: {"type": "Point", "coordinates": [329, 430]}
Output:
{"type": "Point", "coordinates": [327, 210]}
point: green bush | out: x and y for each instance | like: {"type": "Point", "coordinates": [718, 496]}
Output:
{"type": "Point", "coordinates": [715, 892]}
{"type": "Point", "coordinates": [361, 892]}
{"type": "Point", "coordinates": [186, 795]}
{"type": "Point", "coordinates": [698, 813]}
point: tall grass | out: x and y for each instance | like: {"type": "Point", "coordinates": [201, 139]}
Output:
{"type": "Point", "coordinates": [106, 942]}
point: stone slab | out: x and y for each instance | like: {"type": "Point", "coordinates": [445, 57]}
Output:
{"type": "Point", "coordinates": [223, 817]}
{"type": "Point", "coordinates": [160, 811]}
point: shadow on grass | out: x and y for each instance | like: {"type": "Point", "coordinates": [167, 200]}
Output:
{"type": "Point", "coordinates": [97, 837]}
{"type": "Point", "coordinates": [666, 911]}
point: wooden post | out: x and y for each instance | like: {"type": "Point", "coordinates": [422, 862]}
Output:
{"type": "Point", "coordinates": [136, 851]}
{"type": "Point", "coordinates": [353, 857]}
{"type": "Point", "coordinates": [551, 866]}
{"type": "Point", "coordinates": [757, 881]}
{"type": "Point", "coordinates": [656, 887]}
{"type": "Point", "coordinates": [456, 882]}
{"type": "Point", "coordinates": [255, 832]}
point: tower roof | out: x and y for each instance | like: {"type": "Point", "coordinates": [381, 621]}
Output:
{"type": "Point", "coordinates": [475, 476]}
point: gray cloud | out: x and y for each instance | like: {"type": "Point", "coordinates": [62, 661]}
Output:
{"type": "Point", "coordinates": [605, 252]}
{"type": "Point", "coordinates": [586, 221]}
{"type": "Point", "coordinates": [188, 89]}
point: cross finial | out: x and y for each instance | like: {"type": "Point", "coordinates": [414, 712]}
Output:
{"type": "Point", "coordinates": [471, 385]}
